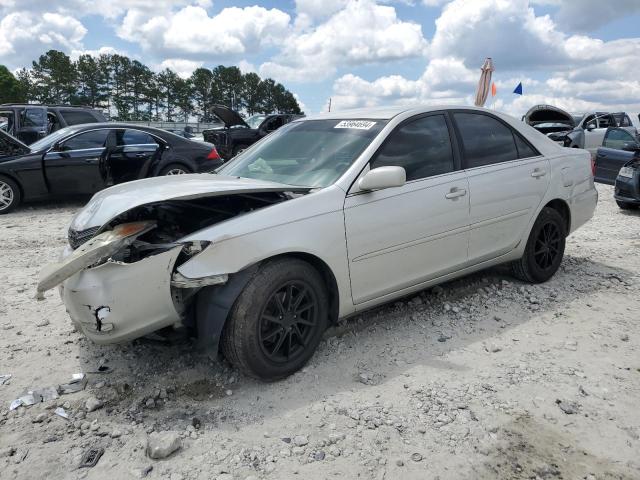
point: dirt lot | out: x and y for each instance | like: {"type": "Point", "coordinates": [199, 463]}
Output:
{"type": "Point", "coordinates": [482, 378]}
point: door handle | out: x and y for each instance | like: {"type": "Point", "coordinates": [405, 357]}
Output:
{"type": "Point", "coordinates": [603, 155]}
{"type": "Point", "coordinates": [141, 155]}
{"type": "Point", "coordinates": [455, 192]}
{"type": "Point", "coordinates": [91, 161]}
{"type": "Point", "coordinates": [538, 173]}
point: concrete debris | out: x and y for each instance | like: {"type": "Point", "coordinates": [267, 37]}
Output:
{"type": "Point", "coordinates": [92, 404]}
{"type": "Point", "coordinates": [161, 445]}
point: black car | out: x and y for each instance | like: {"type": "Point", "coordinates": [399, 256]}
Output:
{"type": "Point", "coordinates": [237, 134]}
{"type": "Point", "coordinates": [29, 123]}
{"type": "Point", "coordinates": [618, 163]}
{"type": "Point", "coordinates": [86, 158]}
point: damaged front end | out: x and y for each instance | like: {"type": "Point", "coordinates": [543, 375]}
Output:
{"type": "Point", "coordinates": [120, 281]}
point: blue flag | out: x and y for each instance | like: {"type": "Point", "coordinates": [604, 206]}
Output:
{"type": "Point", "coordinates": [518, 90]}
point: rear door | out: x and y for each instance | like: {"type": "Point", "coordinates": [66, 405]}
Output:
{"type": "Point", "coordinates": [33, 124]}
{"type": "Point", "coordinates": [610, 157]}
{"type": "Point", "coordinates": [76, 165]}
{"type": "Point", "coordinates": [400, 237]}
{"type": "Point", "coordinates": [134, 154]}
{"type": "Point", "coordinates": [507, 180]}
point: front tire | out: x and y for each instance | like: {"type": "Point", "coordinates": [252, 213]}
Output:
{"type": "Point", "coordinates": [626, 206]}
{"type": "Point", "coordinates": [277, 321]}
{"type": "Point", "coordinates": [545, 248]}
{"type": "Point", "coordinates": [10, 195]}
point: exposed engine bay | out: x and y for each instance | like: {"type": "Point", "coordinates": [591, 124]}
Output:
{"type": "Point", "coordinates": [175, 219]}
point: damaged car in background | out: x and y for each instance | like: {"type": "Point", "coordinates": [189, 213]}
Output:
{"type": "Point", "coordinates": [576, 131]}
{"type": "Point", "coordinates": [324, 218]}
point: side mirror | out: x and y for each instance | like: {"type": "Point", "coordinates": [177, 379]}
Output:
{"type": "Point", "coordinates": [631, 147]}
{"type": "Point", "coordinates": [383, 177]}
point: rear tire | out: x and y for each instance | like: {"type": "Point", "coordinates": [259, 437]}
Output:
{"type": "Point", "coordinates": [626, 206]}
{"type": "Point", "coordinates": [174, 169]}
{"type": "Point", "coordinates": [10, 195]}
{"type": "Point", "coordinates": [545, 248]}
{"type": "Point", "coordinates": [277, 321]}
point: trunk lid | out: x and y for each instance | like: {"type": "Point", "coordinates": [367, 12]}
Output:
{"type": "Point", "coordinates": [229, 117]}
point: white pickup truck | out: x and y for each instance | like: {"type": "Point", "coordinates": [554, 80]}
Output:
{"type": "Point", "coordinates": [578, 131]}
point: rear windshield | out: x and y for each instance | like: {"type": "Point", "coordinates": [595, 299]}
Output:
{"type": "Point", "coordinates": [311, 153]}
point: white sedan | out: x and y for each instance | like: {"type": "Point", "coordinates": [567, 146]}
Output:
{"type": "Point", "coordinates": [326, 217]}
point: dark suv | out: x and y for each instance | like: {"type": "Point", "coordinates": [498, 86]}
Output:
{"type": "Point", "coordinates": [237, 134]}
{"type": "Point", "coordinates": [29, 123]}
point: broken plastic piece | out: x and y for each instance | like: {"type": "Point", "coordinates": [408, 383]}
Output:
{"type": "Point", "coordinates": [61, 412]}
{"type": "Point", "coordinates": [91, 457]}
{"type": "Point", "coordinates": [32, 397]}
{"type": "Point", "coordinates": [4, 378]}
{"type": "Point", "coordinates": [78, 383]}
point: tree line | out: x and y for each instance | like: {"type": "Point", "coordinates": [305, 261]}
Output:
{"type": "Point", "coordinates": [132, 91]}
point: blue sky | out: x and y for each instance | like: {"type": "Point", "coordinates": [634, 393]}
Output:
{"type": "Point", "coordinates": [579, 55]}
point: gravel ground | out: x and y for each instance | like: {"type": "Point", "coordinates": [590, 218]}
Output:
{"type": "Point", "coordinates": [481, 378]}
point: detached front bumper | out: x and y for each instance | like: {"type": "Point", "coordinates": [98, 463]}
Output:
{"type": "Point", "coordinates": [118, 302]}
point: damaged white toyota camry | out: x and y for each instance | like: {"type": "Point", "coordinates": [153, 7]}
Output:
{"type": "Point", "coordinates": [326, 217]}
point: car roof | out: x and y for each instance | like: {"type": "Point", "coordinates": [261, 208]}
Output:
{"type": "Point", "coordinates": [386, 113]}
{"type": "Point", "coordinates": [81, 107]}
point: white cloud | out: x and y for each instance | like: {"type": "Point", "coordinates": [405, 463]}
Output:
{"type": "Point", "coordinates": [575, 72]}
{"type": "Point", "coordinates": [360, 33]}
{"type": "Point", "coordinates": [192, 33]}
{"type": "Point", "coordinates": [184, 68]}
{"type": "Point", "coordinates": [110, 9]}
{"type": "Point", "coordinates": [588, 15]}
{"type": "Point", "coordinates": [25, 35]}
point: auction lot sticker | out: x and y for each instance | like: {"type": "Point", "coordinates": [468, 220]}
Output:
{"type": "Point", "coordinates": [357, 124]}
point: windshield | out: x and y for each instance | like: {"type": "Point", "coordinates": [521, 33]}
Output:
{"type": "Point", "coordinates": [255, 121]}
{"type": "Point", "coordinates": [49, 140]}
{"type": "Point", "coordinates": [311, 153]}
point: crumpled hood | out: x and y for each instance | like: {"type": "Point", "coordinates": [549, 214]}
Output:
{"type": "Point", "coordinates": [548, 114]}
{"type": "Point", "coordinates": [113, 201]}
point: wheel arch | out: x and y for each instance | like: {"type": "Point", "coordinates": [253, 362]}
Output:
{"type": "Point", "coordinates": [563, 209]}
{"type": "Point", "coordinates": [14, 179]}
{"type": "Point", "coordinates": [213, 303]}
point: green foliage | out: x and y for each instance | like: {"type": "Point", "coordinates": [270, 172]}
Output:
{"type": "Point", "coordinates": [11, 89]}
{"type": "Point", "coordinates": [129, 90]}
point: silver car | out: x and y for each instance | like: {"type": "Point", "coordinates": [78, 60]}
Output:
{"type": "Point", "coordinates": [324, 218]}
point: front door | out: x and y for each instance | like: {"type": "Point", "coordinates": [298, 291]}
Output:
{"type": "Point", "coordinates": [132, 158]}
{"type": "Point", "coordinates": [77, 165]}
{"type": "Point", "coordinates": [507, 180]}
{"type": "Point", "coordinates": [33, 124]}
{"type": "Point", "coordinates": [400, 237]}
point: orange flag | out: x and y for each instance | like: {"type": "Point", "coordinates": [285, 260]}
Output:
{"type": "Point", "coordinates": [494, 90]}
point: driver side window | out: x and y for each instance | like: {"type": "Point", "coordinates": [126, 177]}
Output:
{"type": "Point", "coordinates": [87, 140]}
{"type": "Point", "coordinates": [422, 147]}
{"type": "Point", "coordinates": [616, 138]}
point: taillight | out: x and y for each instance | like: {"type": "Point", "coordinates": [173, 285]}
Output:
{"type": "Point", "coordinates": [213, 154]}
{"type": "Point", "coordinates": [593, 166]}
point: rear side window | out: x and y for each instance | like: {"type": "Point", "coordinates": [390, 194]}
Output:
{"type": "Point", "coordinates": [134, 137]}
{"type": "Point", "coordinates": [485, 140]}
{"type": "Point", "coordinates": [422, 147]}
{"type": "Point", "coordinates": [524, 149]}
{"type": "Point", "coordinates": [92, 139]}
{"type": "Point", "coordinates": [626, 121]}
{"type": "Point", "coordinates": [76, 117]}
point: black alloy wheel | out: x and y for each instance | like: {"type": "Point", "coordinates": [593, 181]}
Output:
{"type": "Point", "coordinates": [544, 249]}
{"type": "Point", "coordinates": [288, 322]}
{"type": "Point", "coordinates": [547, 246]}
{"type": "Point", "coordinates": [278, 319]}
